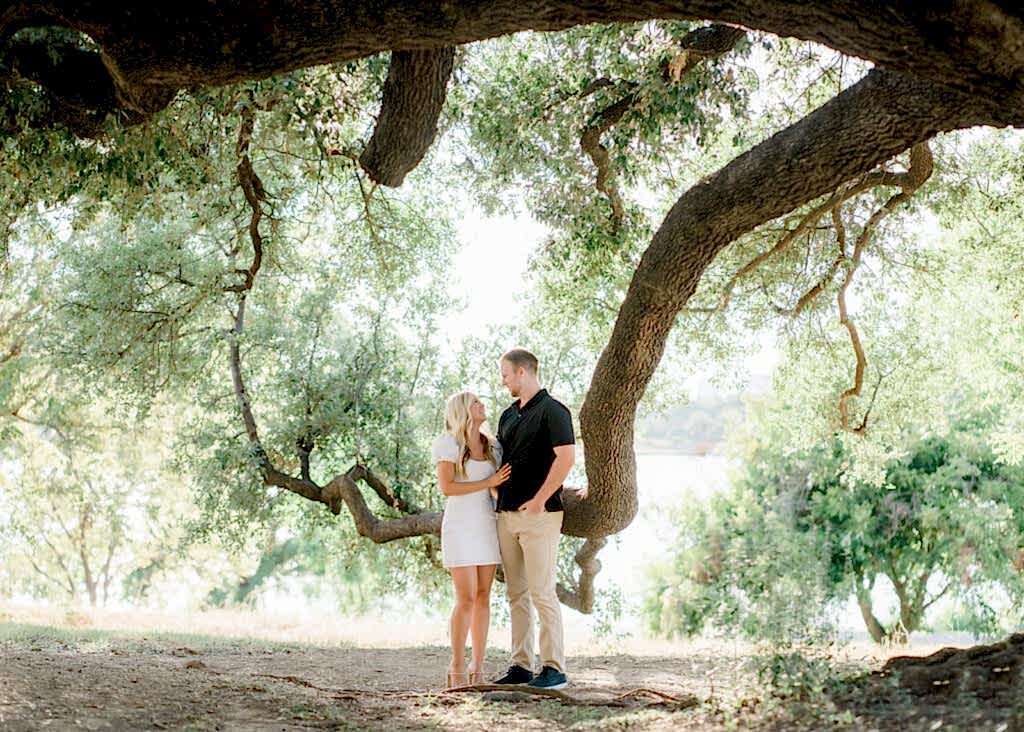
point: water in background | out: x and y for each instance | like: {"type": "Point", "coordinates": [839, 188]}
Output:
{"type": "Point", "coordinates": [665, 482]}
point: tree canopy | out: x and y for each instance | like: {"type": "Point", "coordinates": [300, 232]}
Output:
{"type": "Point", "coordinates": [194, 186]}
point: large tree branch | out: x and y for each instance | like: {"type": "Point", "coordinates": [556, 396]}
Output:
{"type": "Point", "coordinates": [859, 129]}
{"type": "Point", "coordinates": [72, 84]}
{"type": "Point", "coordinates": [151, 49]}
{"type": "Point", "coordinates": [806, 224]}
{"type": "Point", "coordinates": [581, 597]}
{"type": "Point", "coordinates": [414, 94]}
{"type": "Point", "coordinates": [383, 490]}
{"type": "Point", "coordinates": [343, 488]}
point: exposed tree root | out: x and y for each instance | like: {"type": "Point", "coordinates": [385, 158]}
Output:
{"type": "Point", "coordinates": [628, 699]}
{"type": "Point", "coordinates": [990, 672]}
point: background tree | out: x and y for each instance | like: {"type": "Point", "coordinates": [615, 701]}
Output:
{"type": "Point", "coordinates": [796, 534]}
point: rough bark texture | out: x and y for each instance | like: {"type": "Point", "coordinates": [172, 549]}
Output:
{"type": "Point", "coordinates": [151, 49]}
{"type": "Point", "coordinates": [994, 672]}
{"type": "Point", "coordinates": [862, 127]}
{"type": "Point", "coordinates": [411, 104]}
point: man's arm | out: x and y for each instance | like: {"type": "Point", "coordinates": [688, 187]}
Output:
{"type": "Point", "coordinates": [565, 458]}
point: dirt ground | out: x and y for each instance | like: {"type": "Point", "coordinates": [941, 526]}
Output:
{"type": "Point", "coordinates": [88, 678]}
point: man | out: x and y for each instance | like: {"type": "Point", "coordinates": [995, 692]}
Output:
{"type": "Point", "coordinates": [538, 443]}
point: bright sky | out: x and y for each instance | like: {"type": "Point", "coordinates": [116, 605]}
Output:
{"type": "Point", "coordinates": [491, 267]}
{"type": "Point", "coordinates": [490, 271]}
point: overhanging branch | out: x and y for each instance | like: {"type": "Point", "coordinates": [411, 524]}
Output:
{"type": "Point", "coordinates": [865, 125]}
{"type": "Point", "coordinates": [411, 103]}
{"type": "Point", "coordinates": [343, 489]}
{"type": "Point", "coordinates": [696, 47]}
{"type": "Point", "coordinates": [152, 49]}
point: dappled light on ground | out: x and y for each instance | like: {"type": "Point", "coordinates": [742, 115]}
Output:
{"type": "Point", "coordinates": [83, 676]}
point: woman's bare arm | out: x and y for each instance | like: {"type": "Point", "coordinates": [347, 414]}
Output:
{"type": "Point", "coordinates": [450, 487]}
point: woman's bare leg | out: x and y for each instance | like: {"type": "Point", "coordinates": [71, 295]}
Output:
{"type": "Point", "coordinates": [481, 615]}
{"type": "Point", "coordinates": [465, 580]}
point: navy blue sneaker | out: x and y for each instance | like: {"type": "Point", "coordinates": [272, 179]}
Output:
{"type": "Point", "coordinates": [516, 675]}
{"type": "Point", "coordinates": [549, 678]}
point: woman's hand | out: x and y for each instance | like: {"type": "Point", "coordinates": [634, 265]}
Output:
{"type": "Point", "coordinates": [500, 476]}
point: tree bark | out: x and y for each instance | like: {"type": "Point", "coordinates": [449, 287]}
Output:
{"type": "Point", "coordinates": [862, 127]}
{"type": "Point", "coordinates": [875, 629]}
{"type": "Point", "coordinates": [411, 103]}
{"type": "Point", "coordinates": [151, 49]}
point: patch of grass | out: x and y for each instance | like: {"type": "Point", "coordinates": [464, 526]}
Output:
{"type": "Point", "coordinates": [98, 639]}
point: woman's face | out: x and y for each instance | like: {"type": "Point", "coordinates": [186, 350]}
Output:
{"type": "Point", "coordinates": [477, 410]}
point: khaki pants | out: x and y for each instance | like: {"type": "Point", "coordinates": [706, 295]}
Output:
{"type": "Point", "coordinates": [529, 553]}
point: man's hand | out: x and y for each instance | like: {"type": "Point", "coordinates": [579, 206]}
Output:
{"type": "Point", "coordinates": [580, 491]}
{"type": "Point", "coordinates": [533, 506]}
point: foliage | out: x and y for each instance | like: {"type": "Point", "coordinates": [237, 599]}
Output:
{"type": "Point", "coordinates": [798, 532]}
{"type": "Point", "coordinates": [123, 257]}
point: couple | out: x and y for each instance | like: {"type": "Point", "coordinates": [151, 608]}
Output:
{"type": "Point", "coordinates": [522, 471]}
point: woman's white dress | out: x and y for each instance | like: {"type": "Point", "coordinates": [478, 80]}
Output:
{"type": "Point", "coordinates": [469, 528]}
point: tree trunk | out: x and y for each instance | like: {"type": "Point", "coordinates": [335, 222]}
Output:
{"type": "Point", "coordinates": [875, 629]}
{"type": "Point", "coordinates": [862, 127]}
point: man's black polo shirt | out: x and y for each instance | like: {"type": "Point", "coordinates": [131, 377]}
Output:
{"type": "Point", "coordinates": [527, 437]}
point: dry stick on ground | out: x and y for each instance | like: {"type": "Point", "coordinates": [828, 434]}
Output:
{"type": "Point", "coordinates": [697, 46]}
{"type": "Point", "coordinates": [661, 698]}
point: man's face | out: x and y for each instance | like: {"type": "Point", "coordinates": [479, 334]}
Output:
{"type": "Point", "coordinates": [511, 378]}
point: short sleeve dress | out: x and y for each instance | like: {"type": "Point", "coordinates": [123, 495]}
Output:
{"type": "Point", "coordinates": [469, 531]}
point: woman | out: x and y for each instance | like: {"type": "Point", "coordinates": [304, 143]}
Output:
{"type": "Point", "coordinates": [467, 457]}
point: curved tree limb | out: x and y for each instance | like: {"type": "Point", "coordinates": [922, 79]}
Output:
{"type": "Point", "coordinates": [697, 46]}
{"type": "Point", "coordinates": [806, 224]}
{"type": "Point", "coordinates": [152, 49]}
{"type": "Point", "coordinates": [921, 165]}
{"type": "Point", "coordinates": [860, 128]}
{"type": "Point", "coordinates": [581, 597]}
{"type": "Point", "coordinates": [252, 188]}
{"type": "Point", "coordinates": [342, 490]}
{"type": "Point", "coordinates": [411, 103]}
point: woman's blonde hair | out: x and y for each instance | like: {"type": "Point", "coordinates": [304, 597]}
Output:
{"type": "Point", "coordinates": [457, 421]}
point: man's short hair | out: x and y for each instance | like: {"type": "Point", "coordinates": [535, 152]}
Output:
{"type": "Point", "coordinates": [521, 358]}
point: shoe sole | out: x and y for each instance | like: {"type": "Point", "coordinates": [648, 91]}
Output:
{"type": "Point", "coordinates": [555, 686]}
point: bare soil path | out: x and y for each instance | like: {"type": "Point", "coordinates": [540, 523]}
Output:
{"type": "Point", "coordinates": [61, 679]}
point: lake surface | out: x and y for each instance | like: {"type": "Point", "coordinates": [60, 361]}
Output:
{"type": "Point", "coordinates": [665, 483]}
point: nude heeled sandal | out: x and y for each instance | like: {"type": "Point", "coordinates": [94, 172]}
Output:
{"type": "Point", "coordinates": [454, 679]}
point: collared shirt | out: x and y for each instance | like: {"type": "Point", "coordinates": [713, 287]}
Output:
{"type": "Point", "coordinates": [527, 437]}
